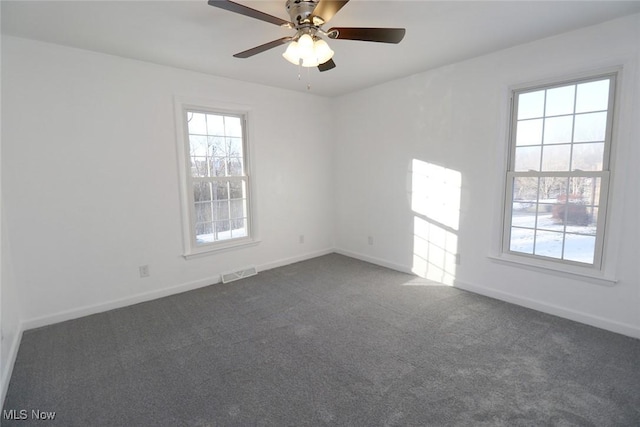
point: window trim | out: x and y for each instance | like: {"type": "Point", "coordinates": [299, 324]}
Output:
{"type": "Point", "coordinates": [601, 271]}
{"type": "Point", "coordinates": [190, 248]}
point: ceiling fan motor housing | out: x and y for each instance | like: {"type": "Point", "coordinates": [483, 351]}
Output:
{"type": "Point", "coordinates": [301, 11]}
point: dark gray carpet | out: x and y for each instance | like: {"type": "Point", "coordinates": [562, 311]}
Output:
{"type": "Point", "coordinates": [329, 341]}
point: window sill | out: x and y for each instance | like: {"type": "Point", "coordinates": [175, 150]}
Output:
{"type": "Point", "coordinates": [576, 273]}
{"type": "Point", "coordinates": [223, 247]}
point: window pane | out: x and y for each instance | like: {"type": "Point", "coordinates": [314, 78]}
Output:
{"type": "Point", "coordinates": [558, 130]}
{"type": "Point", "coordinates": [199, 167]}
{"type": "Point", "coordinates": [239, 227]}
{"type": "Point", "coordinates": [593, 96]}
{"type": "Point", "coordinates": [199, 151]}
{"type": "Point", "coordinates": [579, 248]}
{"type": "Point", "coordinates": [560, 101]}
{"type": "Point", "coordinates": [204, 232]}
{"type": "Point", "coordinates": [544, 208]}
{"type": "Point", "coordinates": [552, 189]}
{"type": "Point", "coordinates": [234, 146]}
{"type": "Point", "coordinates": [588, 157]}
{"type": "Point", "coordinates": [220, 190]}
{"type": "Point", "coordinates": [222, 230]}
{"type": "Point", "coordinates": [556, 157]}
{"type": "Point", "coordinates": [549, 244]}
{"type": "Point", "coordinates": [233, 126]}
{"type": "Point", "coordinates": [221, 210]}
{"type": "Point", "coordinates": [525, 190]}
{"type": "Point", "coordinates": [235, 166]}
{"type": "Point", "coordinates": [544, 219]}
{"type": "Point", "coordinates": [197, 123]}
{"type": "Point", "coordinates": [572, 214]}
{"type": "Point", "coordinates": [524, 215]}
{"type": "Point", "coordinates": [531, 105]}
{"type": "Point", "coordinates": [557, 199]}
{"type": "Point", "coordinates": [587, 224]}
{"type": "Point", "coordinates": [198, 145]}
{"type": "Point", "coordinates": [584, 190]}
{"type": "Point", "coordinates": [587, 221]}
{"type": "Point", "coordinates": [529, 132]}
{"type": "Point", "coordinates": [216, 144]}
{"type": "Point", "coordinates": [203, 211]}
{"type": "Point", "coordinates": [201, 191]}
{"type": "Point", "coordinates": [238, 208]}
{"type": "Point", "coordinates": [576, 211]}
{"type": "Point", "coordinates": [238, 189]}
{"type": "Point", "coordinates": [593, 213]}
{"type": "Point", "coordinates": [521, 240]}
{"type": "Point", "coordinates": [215, 125]}
{"type": "Point", "coordinates": [590, 127]}
{"type": "Point", "coordinates": [219, 166]}
{"type": "Point", "coordinates": [527, 158]}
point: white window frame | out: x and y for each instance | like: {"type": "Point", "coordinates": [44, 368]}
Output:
{"type": "Point", "coordinates": [190, 246]}
{"type": "Point", "coordinates": [597, 270]}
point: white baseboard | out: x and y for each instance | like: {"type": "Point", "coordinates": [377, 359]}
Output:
{"type": "Point", "coordinates": [155, 294]}
{"type": "Point", "coordinates": [7, 369]}
{"type": "Point", "coordinates": [374, 260]}
{"type": "Point", "coordinates": [118, 303]}
{"type": "Point", "coordinates": [581, 317]}
{"type": "Point", "coordinates": [294, 259]}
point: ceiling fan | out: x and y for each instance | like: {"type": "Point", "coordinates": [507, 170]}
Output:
{"type": "Point", "coordinates": [306, 47]}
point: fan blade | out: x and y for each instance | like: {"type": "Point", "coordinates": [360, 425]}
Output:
{"type": "Point", "coordinates": [263, 47]}
{"type": "Point", "coordinates": [381, 35]}
{"type": "Point", "coordinates": [327, 8]}
{"type": "Point", "coordinates": [247, 11]}
{"type": "Point", "coordinates": [329, 65]}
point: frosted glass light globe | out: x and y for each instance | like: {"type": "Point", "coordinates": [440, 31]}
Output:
{"type": "Point", "coordinates": [322, 51]}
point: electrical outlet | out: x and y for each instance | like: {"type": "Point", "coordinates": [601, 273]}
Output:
{"type": "Point", "coordinates": [370, 240]}
{"type": "Point", "coordinates": [144, 270]}
{"type": "Point", "coordinates": [301, 238]}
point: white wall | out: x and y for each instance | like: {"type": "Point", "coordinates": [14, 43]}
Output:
{"type": "Point", "coordinates": [11, 314]}
{"type": "Point", "coordinates": [90, 181]}
{"type": "Point", "coordinates": [456, 117]}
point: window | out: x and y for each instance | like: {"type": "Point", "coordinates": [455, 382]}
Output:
{"type": "Point", "coordinates": [216, 179]}
{"type": "Point", "coordinates": [558, 173]}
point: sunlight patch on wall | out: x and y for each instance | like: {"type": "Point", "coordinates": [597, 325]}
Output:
{"type": "Point", "coordinates": [435, 201]}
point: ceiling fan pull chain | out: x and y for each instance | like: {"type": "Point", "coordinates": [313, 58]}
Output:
{"type": "Point", "coordinates": [300, 69]}
{"type": "Point", "coordinates": [309, 78]}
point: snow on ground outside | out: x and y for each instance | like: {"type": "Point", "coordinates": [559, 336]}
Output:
{"type": "Point", "coordinates": [222, 235]}
{"type": "Point", "coordinates": [548, 242]}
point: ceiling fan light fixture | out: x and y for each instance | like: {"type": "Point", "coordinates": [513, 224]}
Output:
{"type": "Point", "coordinates": [323, 51]}
{"type": "Point", "coordinates": [307, 52]}
{"type": "Point", "coordinates": [309, 61]}
{"type": "Point", "coordinates": [305, 42]}
{"type": "Point", "coordinates": [292, 54]}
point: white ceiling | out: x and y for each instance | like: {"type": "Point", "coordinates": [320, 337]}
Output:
{"type": "Point", "coordinates": [193, 35]}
